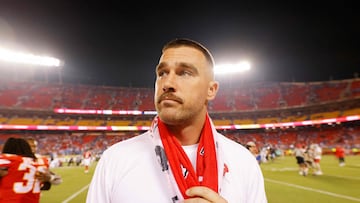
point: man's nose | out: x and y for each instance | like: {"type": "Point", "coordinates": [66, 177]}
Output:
{"type": "Point", "coordinates": [169, 82]}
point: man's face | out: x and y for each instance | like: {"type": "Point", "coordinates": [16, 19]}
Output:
{"type": "Point", "coordinates": [33, 145]}
{"type": "Point", "coordinates": [183, 85]}
{"type": "Point", "coordinates": [253, 149]}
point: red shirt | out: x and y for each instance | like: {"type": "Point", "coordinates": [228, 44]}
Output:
{"type": "Point", "coordinates": [19, 185]}
{"type": "Point", "coordinates": [42, 162]}
{"type": "Point", "coordinates": [340, 152]}
{"type": "Point", "coordinates": [87, 154]}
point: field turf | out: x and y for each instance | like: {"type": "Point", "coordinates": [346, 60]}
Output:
{"type": "Point", "coordinates": [283, 183]}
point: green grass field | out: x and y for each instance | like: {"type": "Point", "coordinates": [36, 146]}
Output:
{"type": "Point", "coordinates": [282, 181]}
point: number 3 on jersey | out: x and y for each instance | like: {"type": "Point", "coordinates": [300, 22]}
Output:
{"type": "Point", "coordinates": [30, 182]}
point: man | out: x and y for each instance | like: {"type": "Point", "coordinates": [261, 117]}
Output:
{"type": "Point", "coordinates": [299, 153]}
{"type": "Point", "coordinates": [317, 154]}
{"type": "Point", "coordinates": [87, 161]}
{"type": "Point", "coordinates": [340, 154]}
{"type": "Point", "coordinates": [18, 182]}
{"type": "Point", "coordinates": [251, 146]}
{"type": "Point", "coordinates": [182, 158]}
{"type": "Point", "coordinates": [46, 176]}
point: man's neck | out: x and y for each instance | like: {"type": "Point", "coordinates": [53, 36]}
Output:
{"type": "Point", "coordinates": [188, 134]}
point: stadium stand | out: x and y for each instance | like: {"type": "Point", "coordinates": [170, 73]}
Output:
{"type": "Point", "coordinates": [32, 103]}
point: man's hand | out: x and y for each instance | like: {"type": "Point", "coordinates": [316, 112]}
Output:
{"type": "Point", "coordinates": [201, 194]}
{"type": "Point", "coordinates": [48, 176]}
{"type": "Point", "coordinates": [43, 176]}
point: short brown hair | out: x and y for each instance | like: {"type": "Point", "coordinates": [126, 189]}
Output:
{"type": "Point", "coordinates": [178, 42]}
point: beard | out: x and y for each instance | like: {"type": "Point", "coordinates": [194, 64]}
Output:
{"type": "Point", "coordinates": [179, 115]}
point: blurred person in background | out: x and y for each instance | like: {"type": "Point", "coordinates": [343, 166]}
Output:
{"type": "Point", "coordinates": [299, 153]}
{"type": "Point", "coordinates": [87, 161]}
{"type": "Point", "coordinates": [309, 159]}
{"type": "Point", "coordinates": [46, 174]}
{"type": "Point", "coordinates": [20, 181]}
{"type": "Point", "coordinates": [340, 154]}
{"type": "Point", "coordinates": [317, 154]}
{"type": "Point", "coordinates": [251, 146]}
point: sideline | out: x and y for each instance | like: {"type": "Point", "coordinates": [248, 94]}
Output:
{"type": "Point", "coordinates": [76, 194]}
{"type": "Point", "coordinates": [314, 190]}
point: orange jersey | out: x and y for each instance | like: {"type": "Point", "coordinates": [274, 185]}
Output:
{"type": "Point", "coordinates": [340, 152]}
{"type": "Point", "coordinates": [41, 163]}
{"type": "Point", "coordinates": [19, 185]}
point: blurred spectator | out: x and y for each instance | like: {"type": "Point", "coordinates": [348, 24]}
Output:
{"type": "Point", "coordinates": [340, 154]}
{"type": "Point", "coordinates": [299, 153]}
{"type": "Point", "coordinates": [251, 146]}
{"type": "Point", "coordinates": [317, 153]}
{"type": "Point", "coordinates": [46, 174]}
{"type": "Point", "coordinates": [87, 161]}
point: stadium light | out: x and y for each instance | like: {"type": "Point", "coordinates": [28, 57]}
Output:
{"type": "Point", "coordinates": [25, 58]}
{"type": "Point", "coordinates": [232, 68]}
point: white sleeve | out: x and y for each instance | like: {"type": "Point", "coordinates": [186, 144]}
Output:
{"type": "Point", "coordinates": [258, 191]}
{"type": "Point", "coordinates": [100, 187]}
{"type": "Point", "coordinates": [256, 186]}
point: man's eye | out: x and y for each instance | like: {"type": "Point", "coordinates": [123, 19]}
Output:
{"type": "Point", "coordinates": [161, 73]}
{"type": "Point", "coordinates": [186, 73]}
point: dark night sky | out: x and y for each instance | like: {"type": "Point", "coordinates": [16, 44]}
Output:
{"type": "Point", "coordinates": [108, 43]}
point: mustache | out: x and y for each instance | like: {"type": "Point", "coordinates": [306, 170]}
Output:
{"type": "Point", "coordinates": [169, 96]}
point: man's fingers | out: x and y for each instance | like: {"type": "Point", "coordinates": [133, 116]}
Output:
{"type": "Point", "coordinates": [205, 193]}
{"type": "Point", "coordinates": [199, 191]}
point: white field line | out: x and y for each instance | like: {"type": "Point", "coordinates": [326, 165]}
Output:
{"type": "Point", "coordinates": [314, 190]}
{"type": "Point", "coordinates": [269, 180]}
{"type": "Point", "coordinates": [296, 169]}
{"type": "Point", "coordinates": [282, 169]}
{"type": "Point", "coordinates": [76, 194]}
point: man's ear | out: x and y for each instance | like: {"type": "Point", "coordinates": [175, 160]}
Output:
{"type": "Point", "coordinates": [212, 90]}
